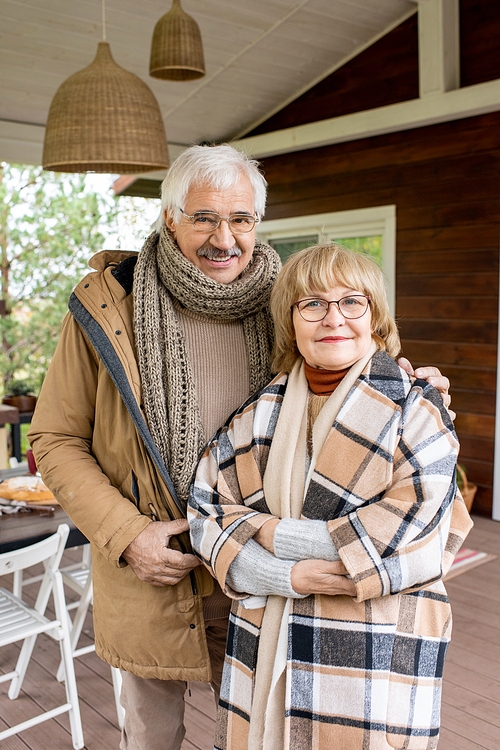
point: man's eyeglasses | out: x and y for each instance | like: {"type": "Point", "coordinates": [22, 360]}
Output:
{"type": "Point", "coordinates": [208, 221]}
{"type": "Point", "coordinates": [314, 309]}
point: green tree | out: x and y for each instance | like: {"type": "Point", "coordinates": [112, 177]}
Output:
{"type": "Point", "coordinates": [371, 246]}
{"type": "Point", "coordinates": [50, 226]}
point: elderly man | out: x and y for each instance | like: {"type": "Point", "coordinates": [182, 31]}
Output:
{"type": "Point", "coordinates": [157, 350]}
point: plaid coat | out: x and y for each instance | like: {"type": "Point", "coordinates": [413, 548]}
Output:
{"type": "Point", "coordinates": [365, 672]}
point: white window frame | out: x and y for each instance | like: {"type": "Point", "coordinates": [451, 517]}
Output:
{"type": "Point", "coordinates": [362, 222]}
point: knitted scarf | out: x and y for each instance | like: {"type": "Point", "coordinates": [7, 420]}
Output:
{"type": "Point", "coordinates": [161, 274]}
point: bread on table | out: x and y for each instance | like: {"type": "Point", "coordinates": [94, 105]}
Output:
{"type": "Point", "coordinates": [29, 489]}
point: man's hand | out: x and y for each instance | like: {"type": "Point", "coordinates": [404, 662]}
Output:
{"type": "Point", "coordinates": [321, 577]}
{"type": "Point", "coordinates": [433, 377]}
{"type": "Point", "coordinates": [153, 561]}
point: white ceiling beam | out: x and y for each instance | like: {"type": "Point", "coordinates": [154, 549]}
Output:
{"type": "Point", "coordinates": [431, 110]}
{"type": "Point", "coordinates": [438, 46]}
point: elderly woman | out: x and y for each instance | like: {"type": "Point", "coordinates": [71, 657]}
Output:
{"type": "Point", "coordinates": [327, 509]}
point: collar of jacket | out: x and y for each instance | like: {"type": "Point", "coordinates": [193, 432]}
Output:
{"type": "Point", "coordinates": [122, 265]}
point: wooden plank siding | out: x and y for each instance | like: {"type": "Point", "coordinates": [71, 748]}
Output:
{"type": "Point", "coordinates": [444, 181]}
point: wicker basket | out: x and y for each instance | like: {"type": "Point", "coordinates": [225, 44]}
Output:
{"type": "Point", "coordinates": [468, 489]}
{"type": "Point", "coordinates": [104, 119]}
{"type": "Point", "coordinates": [177, 50]}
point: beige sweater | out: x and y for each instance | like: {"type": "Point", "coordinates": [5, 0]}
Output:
{"type": "Point", "coordinates": [219, 362]}
{"type": "Point", "coordinates": [218, 355]}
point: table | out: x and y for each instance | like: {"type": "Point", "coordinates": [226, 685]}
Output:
{"type": "Point", "coordinates": [9, 414]}
{"type": "Point", "coordinates": [19, 530]}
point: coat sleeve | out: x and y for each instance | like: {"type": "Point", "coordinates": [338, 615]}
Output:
{"type": "Point", "coordinates": [222, 528]}
{"type": "Point", "coordinates": [221, 520]}
{"type": "Point", "coordinates": [407, 538]}
{"type": "Point", "coordinates": [61, 438]}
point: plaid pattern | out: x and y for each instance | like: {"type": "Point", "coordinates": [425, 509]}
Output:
{"type": "Point", "coordinates": [365, 672]}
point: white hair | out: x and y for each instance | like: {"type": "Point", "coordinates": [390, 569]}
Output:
{"type": "Point", "coordinates": [221, 167]}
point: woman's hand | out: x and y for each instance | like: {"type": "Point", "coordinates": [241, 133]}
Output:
{"type": "Point", "coordinates": [321, 577]}
{"type": "Point", "coordinates": [265, 535]}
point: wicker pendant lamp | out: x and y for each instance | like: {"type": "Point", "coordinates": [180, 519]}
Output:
{"type": "Point", "coordinates": [104, 119]}
{"type": "Point", "coordinates": [176, 50]}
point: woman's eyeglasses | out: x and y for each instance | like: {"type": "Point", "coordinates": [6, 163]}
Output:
{"type": "Point", "coordinates": [314, 309]}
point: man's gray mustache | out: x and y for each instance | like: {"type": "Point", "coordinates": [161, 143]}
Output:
{"type": "Point", "coordinates": [214, 252]}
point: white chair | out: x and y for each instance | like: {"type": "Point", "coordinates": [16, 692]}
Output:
{"type": "Point", "coordinates": [81, 565]}
{"type": "Point", "coordinates": [79, 579]}
{"type": "Point", "coordinates": [20, 622]}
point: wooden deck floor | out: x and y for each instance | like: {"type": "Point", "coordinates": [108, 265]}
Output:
{"type": "Point", "coordinates": [471, 699]}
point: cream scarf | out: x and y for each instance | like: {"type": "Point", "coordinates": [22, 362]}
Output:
{"type": "Point", "coordinates": [285, 487]}
{"type": "Point", "coordinates": [161, 274]}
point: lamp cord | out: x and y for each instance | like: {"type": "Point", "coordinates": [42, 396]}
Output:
{"type": "Point", "coordinates": [103, 21]}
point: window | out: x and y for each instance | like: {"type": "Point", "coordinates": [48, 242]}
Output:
{"type": "Point", "coordinates": [286, 246]}
{"type": "Point", "coordinates": [368, 230]}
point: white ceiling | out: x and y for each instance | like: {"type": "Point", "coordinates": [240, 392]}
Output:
{"type": "Point", "coordinates": [259, 54]}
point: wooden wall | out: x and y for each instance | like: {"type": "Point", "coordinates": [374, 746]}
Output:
{"type": "Point", "coordinates": [444, 180]}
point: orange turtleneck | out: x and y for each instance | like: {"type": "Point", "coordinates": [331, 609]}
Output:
{"type": "Point", "coordinates": [323, 382]}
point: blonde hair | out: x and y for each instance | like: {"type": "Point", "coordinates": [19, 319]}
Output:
{"type": "Point", "coordinates": [320, 268]}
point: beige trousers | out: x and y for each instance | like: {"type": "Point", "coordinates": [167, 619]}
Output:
{"type": "Point", "coordinates": [154, 709]}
